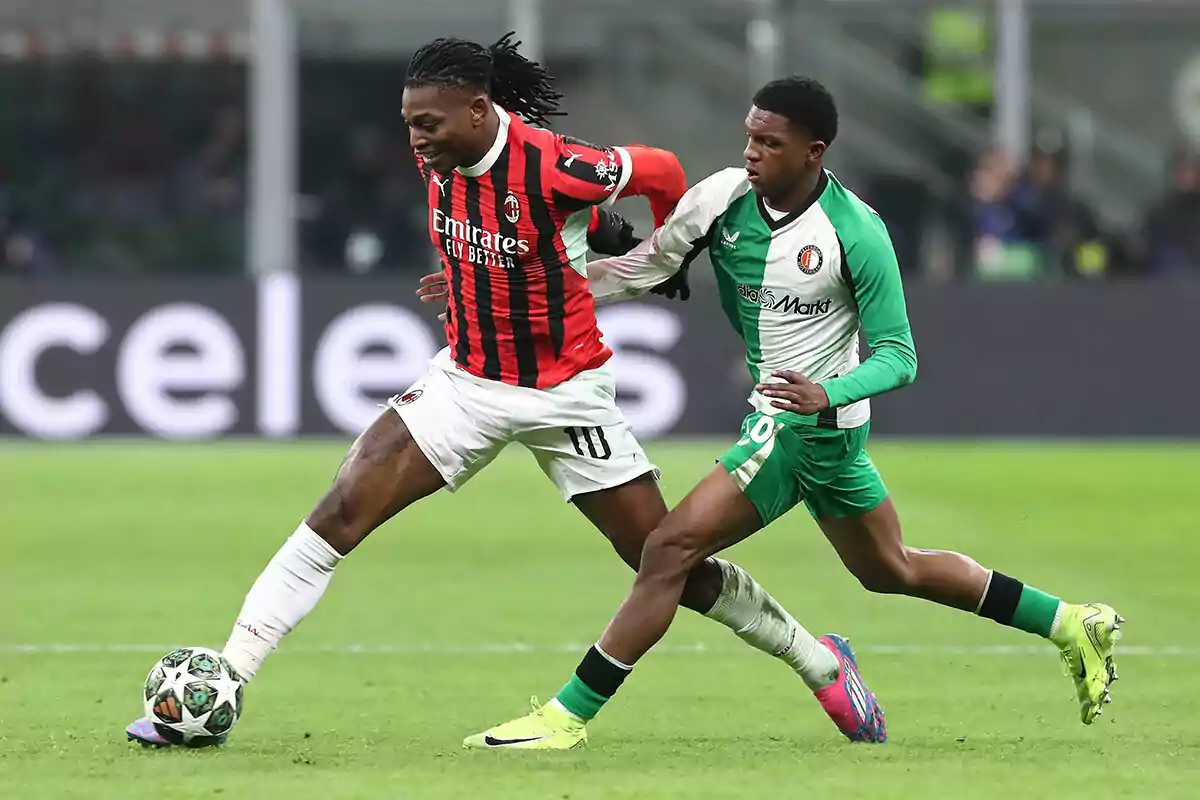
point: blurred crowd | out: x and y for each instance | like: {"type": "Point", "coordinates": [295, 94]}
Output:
{"type": "Point", "coordinates": [106, 169]}
{"type": "Point", "coordinates": [115, 171]}
{"type": "Point", "coordinates": [1025, 223]}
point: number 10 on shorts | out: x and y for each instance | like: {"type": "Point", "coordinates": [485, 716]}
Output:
{"type": "Point", "coordinates": [591, 438]}
{"type": "Point", "coordinates": [762, 430]}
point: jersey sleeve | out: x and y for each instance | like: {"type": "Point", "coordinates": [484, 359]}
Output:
{"type": "Point", "coordinates": [588, 175]}
{"type": "Point", "coordinates": [871, 269]}
{"type": "Point", "coordinates": [683, 235]}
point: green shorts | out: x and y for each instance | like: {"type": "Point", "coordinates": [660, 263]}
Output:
{"type": "Point", "coordinates": [778, 464]}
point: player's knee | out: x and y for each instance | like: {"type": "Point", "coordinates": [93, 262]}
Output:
{"type": "Point", "coordinates": [668, 555]}
{"type": "Point", "coordinates": [892, 574]}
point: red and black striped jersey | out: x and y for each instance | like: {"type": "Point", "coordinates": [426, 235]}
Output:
{"type": "Point", "coordinates": [512, 235]}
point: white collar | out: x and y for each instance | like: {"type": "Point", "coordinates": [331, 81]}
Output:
{"type": "Point", "coordinates": [774, 212]}
{"type": "Point", "coordinates": [489, 160]}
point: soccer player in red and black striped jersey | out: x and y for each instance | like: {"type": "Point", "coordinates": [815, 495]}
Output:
{"type": "Point", "coordinates": [511, 206]}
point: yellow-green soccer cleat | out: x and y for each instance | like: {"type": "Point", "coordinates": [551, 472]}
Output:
{"type": "Point", "coordinates": [548, 727]}
{"type": "Point", "coordinates": [1085, 637]}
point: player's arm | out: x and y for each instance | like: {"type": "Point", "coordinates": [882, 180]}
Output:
{"type": "Point", "coordinates": [672, 246]}
{"type": "Point", "coordinates": [588, 174]}
{"type": "Point", "coordinates": [656, 175]}
{"type": "Point", "coordinates": [875, 277]}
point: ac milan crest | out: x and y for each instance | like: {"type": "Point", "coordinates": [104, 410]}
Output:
{"type": "Point", "coordinates": [408, 397]}
{"type": "Point", "coordinates": [512, 208]}
{"type": "Point", "coordinates": [810, 259]}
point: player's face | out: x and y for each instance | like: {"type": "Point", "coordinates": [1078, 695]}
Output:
{"type": "Point", "coordinates": [445, 125]}
{"type": "Point", "coordinates": [777, 153]}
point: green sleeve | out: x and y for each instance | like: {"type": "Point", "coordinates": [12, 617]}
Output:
{"type": "Point", "coordinates": [874, 275]}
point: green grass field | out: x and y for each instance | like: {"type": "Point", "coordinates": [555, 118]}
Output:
{"type": "Point", "coordinates": [450, 617]}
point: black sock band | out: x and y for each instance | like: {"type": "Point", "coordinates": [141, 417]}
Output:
{"type": "Point", "coordinates": [599, 674]}
{"type": "Point", "coordinates": [1001, 598]}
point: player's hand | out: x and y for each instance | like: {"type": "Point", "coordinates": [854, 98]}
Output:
{"type": "Point", "coordinates": [434, 288]}
{"type": "Point", "coordinates": [610, 234]}
{"type": "Point", "coordinates": [677, 284]}
{"type": "Point", "coordinates": [796, 394]}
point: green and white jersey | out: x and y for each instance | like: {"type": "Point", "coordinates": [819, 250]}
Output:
{"type": "Point", "coordinates": [797, 288]}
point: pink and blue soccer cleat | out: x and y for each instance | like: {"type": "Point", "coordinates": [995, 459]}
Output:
{"type": "Point", "coordinates": [848, 701]}
{"type": "Point", "coordinates": [144, 733]}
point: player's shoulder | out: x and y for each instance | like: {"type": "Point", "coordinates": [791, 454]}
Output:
{"type": "Point", "coordinates": [719, 190]}
{"type": "Point", "coordinates": [560, 143]}
{"type": "Point", "coordinates": [854, 220]}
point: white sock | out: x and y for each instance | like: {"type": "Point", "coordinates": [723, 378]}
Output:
{"type": "Point", "coordinates": [757, 618]}
{"type": "Point", "coordinates": [1058, 615]}
{"type": "Point", "coordinates": [289, 588]}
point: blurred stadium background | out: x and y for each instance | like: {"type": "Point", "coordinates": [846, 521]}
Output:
{"type": "Point", "coordinates": [211, 226]}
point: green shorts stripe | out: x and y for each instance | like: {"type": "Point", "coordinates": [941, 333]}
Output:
{"type": "Point", "coordinates": [778, 465]}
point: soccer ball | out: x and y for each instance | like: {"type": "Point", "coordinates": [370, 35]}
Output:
{"type": "Point", "coordinates": [192, 697]}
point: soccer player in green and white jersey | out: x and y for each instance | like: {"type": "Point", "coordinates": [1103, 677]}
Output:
{"type": "Point", "coordinates": [802, 264]}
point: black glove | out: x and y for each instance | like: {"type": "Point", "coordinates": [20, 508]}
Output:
{"type": "Point", "coordinates": [613, 235]}
{"type": "Point", "coordinates": [676, 284]}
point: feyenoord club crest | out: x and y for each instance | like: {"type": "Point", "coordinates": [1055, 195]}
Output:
{"type": "Point", "coordinates": [810, 259]}
{"type": "Point", "coordinates": [512, 208]}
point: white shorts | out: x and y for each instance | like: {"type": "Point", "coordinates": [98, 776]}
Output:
{"type": "Point", "coordinates": [575, 430]}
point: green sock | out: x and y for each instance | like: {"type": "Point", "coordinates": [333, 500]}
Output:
{"type": "Point", "coordinates": [1010, 602]}
{"type": "Point", "coordinates": [580, 700]}
{"type": "Point", "coordinates": [595, 681]}
{"type": "Point", "coordinates": [1036, 612]}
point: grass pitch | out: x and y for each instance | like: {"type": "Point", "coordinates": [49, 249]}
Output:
{"type": "Point", "coordinates": [447, 619]}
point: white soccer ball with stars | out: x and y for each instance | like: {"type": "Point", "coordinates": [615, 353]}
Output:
{"type": "Point", "coordinates": [192, 696]}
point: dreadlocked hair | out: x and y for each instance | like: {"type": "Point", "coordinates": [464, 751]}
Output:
{"type": "Point", "coordinates": [517, 84]}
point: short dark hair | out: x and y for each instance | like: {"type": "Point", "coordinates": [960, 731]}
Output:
{"type": "Point", "coordinates": [805, 103]}
{"type": "Point", "coordinates": [519, 85]}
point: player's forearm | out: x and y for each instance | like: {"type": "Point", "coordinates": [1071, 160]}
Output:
{"type": "Point", "coordinates": [633, 274]}
{"type": "Point", "coordinates": [893, 364]}
{"type": "Point", "coordinates": [658, 176]}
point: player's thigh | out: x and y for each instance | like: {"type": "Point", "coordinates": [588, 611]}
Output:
{"type": "Point", "coordinates": [459, 422]}
{"type": "Point", "coordinates": [383, 472]}
{"type": "Point", "coordinates": [761, 464]}
{"type": "Point", "coordinates": [625, 514]}
{"type": "Point", "coordinates": [437, 434]}
{"type": "Point", "coordinates": [714, 515]}
{"type": "Point", "coordinates": [870, 545]}
{"type": "Point", "coordinates": [860, 521]}
{"type": "Point", "coordinates": [837, 477]}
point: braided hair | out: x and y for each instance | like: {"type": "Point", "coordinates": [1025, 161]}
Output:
{"type": "Point", "coordinates": [517, 84]}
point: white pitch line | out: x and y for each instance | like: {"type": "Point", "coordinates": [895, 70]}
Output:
{"type": "Point", "coordinates": [519, 648]}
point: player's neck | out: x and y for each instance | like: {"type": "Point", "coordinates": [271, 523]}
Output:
{"type": "Point", "coordinates": [487, 137]}
{"type": "Point", "coordinates": [798, 194]}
